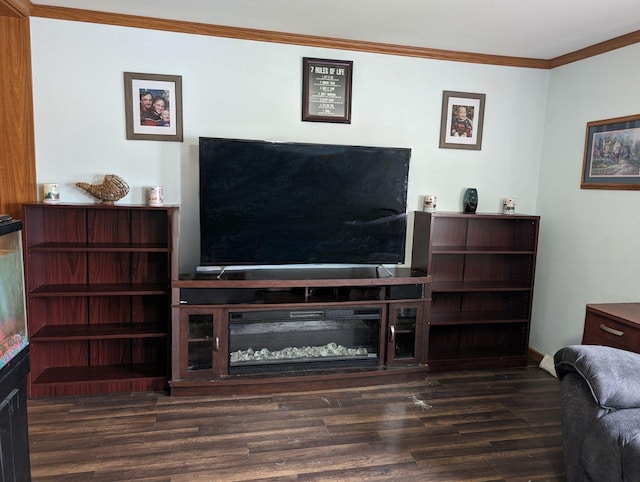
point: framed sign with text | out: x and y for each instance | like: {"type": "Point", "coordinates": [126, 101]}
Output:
{"type": "Point", "coordinates": [326, 90]}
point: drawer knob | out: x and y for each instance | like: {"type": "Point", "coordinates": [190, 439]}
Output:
{"type": "Point", "coordinates": [613, 331]}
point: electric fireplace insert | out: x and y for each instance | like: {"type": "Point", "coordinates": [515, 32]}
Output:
{"type": "Point", "coordinates": [295, 340]}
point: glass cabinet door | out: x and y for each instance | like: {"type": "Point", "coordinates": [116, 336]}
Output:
{"type": "Point", "coordinates": [202, 349]}
{"type": "Point", "coordinates": [404, 334]}
{"type": "Point", "coordinates": [199, 341]}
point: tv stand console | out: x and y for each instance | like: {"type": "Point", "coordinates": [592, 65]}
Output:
{"type": "Point", "coordinates": [276, 330]}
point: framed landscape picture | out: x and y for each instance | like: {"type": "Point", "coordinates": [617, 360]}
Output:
{"type": "Point", "coordinates": [462, 120]}
{"type": "Point", "coordinates": [153, 106]}
{"type": "Point", "coordinates": [612, 154]}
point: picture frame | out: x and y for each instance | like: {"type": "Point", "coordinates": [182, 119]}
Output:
{"type": "Point", "coordinates": [326, 90]}
{"type": "Point", "coordinates": [462, 131]}
{"type": "Point", "coordinates": [153, 106]}
{"type": "Point", "coordinates": [612, 154]}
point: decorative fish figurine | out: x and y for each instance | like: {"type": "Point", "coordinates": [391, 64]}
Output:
{"type": "Point", "coordinates": [111, 190]}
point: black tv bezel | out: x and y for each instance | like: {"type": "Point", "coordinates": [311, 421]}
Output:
{"type": "Point", "coordinates": [400, 252]}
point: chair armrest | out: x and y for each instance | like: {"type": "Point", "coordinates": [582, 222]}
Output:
{"type": "Point", "coordinates": [612, 375]}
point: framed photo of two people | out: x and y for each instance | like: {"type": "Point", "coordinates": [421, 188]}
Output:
{"type": "Point", "coordinates": [153, 106]}
{"type": "Point", "coordinates": [462, 120]}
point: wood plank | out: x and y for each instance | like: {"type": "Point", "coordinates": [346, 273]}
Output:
{"type": "Point", "coordinates": [498, 424]}
{"type": "Point", "coordinates": [88, 374]}
{"type": "Point", "coordinates": [99, 331]}
{"type": "Point", "coordinates": [15, 8]}
{"type": "Point", "coordinates": [17, 135]}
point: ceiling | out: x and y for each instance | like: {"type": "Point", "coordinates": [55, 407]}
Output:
{"type": "Point", "coordinates": [537, 29]}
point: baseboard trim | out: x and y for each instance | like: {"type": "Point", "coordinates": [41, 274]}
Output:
{"type": "Point", "coordinates": [535, 355]}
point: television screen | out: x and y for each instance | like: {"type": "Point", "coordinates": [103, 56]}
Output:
{"type": "Point", "coordinates": [270, 203]}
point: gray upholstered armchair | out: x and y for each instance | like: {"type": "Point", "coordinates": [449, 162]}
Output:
{"type": "Point", "coordinates": [600, 413]}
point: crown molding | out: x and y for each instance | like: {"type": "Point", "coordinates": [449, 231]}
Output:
{"type": "Point", "coordinates": [597, 49]}
{"type": "Point", "coordinates": [15, 8]}
{"type": "Point", "coordinates": [106, 18]}
{"type": "Point", "coordinates": [91, 16]}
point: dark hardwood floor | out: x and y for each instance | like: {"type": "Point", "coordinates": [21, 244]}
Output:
{"type": "Point", "coordinates": [481, 425]}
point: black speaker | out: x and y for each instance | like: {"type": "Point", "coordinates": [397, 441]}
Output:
{"type": "Point", "coordinates": [470, 201]}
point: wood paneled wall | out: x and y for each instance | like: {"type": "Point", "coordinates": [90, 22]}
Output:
{"type": "Point", "coordinates": [17, 143]}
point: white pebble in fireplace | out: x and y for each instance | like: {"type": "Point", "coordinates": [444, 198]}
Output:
{"type": "Point", "coordinates": [288, 353]}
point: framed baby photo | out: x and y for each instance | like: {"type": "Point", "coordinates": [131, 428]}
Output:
{"type": "Point", "coordinates": [612, 154]}
{"type": "Point", "coordinates": [462, 119]}
{"type": "Point", "coordinates": [153, 106]}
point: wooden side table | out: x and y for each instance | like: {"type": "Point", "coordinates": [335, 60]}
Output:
{"type": "Point", "coordinates": [613, 324]}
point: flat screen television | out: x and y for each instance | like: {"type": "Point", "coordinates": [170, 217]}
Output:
{"type": "Point", "coordinates": [271, 203]}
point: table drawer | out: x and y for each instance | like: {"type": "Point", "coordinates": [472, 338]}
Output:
{"type": "Point", "coordinates": [602, 330]}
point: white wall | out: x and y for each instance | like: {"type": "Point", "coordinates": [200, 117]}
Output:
{"type": "Point", "coordinates": [588, 244]}
{"type": "Point", "coordinates": [243, 89]}
{"type": "Point", "coordinates": [234, 88]}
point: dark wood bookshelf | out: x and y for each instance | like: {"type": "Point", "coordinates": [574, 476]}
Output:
{"type": "Point", "coordinates": [98, 289]}
{"type": "Point", "coordinates": [482, 268]}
